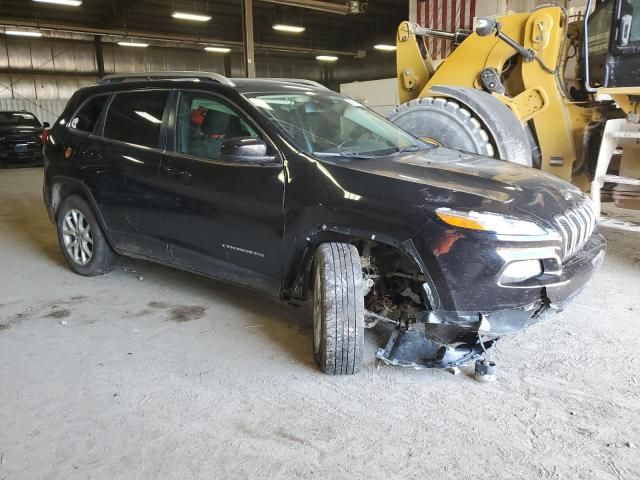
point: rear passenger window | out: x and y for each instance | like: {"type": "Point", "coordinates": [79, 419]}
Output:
{"type": "Point", "coordinates": [136, 117]}
{"type": "Point", "coordinates": [205, 122]}
{"type": "Point", "coordinates": [87, 117]}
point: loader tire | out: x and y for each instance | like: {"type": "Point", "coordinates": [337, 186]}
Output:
{"type": "Point", "coordinates": [444, 121]}
{"type": "Point", "coordinates": [338, 309]}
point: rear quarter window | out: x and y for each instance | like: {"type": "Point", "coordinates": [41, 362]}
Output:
{"type": "Point", "coordinates": [86, 118]}
{"type": "Point", "coordinates": [136, 117]}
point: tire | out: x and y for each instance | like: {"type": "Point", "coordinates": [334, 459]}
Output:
{"type": "Point", "coordinates": [444, 121]}
{"type": "Point", "coordinates": [81, 239]}
{"type": "Point", "coordinates": [338, 309]}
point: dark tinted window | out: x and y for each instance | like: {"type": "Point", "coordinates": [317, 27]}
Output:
{"type": "Point", "coordinates": [136, 117]}
{"type": "Point", "coordinates": [18, 119]}
{"type": "Point", "coordinates": [205, 122]}
{"type": "Point", "coordinates": [600, 28]}
{"type": "Point", "coordinates": [87, 117]}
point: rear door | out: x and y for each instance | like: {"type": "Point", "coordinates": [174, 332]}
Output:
{"type": "Point", "coordinates": [222, 218]}
{"type": "Point", "coordinates": [121, 168]}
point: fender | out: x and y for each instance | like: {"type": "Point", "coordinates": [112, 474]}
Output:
{"type": "Point", "coordinates": [298, 283]}
{"type": "Point", "coordinates": [52, 203]}
{"type": "Point", "coordinates": [506, 131]}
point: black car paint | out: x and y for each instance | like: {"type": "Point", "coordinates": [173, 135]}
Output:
{"type": "Point", "coordinates": [258, 224]}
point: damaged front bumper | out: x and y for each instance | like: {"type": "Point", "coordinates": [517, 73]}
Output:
{"type": "Point", "coordinates": [441, 339]}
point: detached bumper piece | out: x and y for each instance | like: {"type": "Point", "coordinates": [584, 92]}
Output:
{"type": "Point", "coordinates": [450, 339]}
{"type": "Point", "coordinates": [412, 348]}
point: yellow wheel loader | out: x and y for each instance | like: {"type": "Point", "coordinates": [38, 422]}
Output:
{"type": "Point", "coordinates": [535, 88]}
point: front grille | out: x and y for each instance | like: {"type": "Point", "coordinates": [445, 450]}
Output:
{"type": "Point", "coordinates": [576, 226]}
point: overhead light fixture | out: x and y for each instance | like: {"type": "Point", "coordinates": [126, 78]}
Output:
{"type": "Point", "coordinates": [218, 49]}
{"type": "Point", "coordinates": [288, 28]}
{"type": "Point", "coordinates": [148, 116]}
{"type": "Point", "coordinates": [194, 17]}
{"type": "Point", "coordinates": [68, 3]}
{"type": "Point", "coordinates": [326, 58]}
{"type": "Point", "coordinates": [133, 44]}
{"type": "Point", "coordinates": [23, 33]}
{"type": "Point", "coordinates": [385, 48]}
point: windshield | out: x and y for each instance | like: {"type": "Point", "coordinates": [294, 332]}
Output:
{"type": "Point", "coordinates": [329, 124]}
{"type": "Point", "coordinates": [18, 119]}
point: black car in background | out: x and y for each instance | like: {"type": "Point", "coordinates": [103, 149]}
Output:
{"type": "Point", "coordinates": [20, 139]}
{"type": "Point", "coordinates": [289, 188]}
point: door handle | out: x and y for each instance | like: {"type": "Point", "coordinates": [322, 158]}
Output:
{"type": "Point", "coordinates": [175, 172]}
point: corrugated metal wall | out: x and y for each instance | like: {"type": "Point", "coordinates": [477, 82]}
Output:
{"type": "Point", "coordinates": [40, 75]}
{"type": "Point", "coordinates": [45, 110]}
{"type": "Point", "coordinates": [36, 73]}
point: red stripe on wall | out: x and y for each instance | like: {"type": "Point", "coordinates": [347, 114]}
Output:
{"type": "Point", "coordinates": [472, 12]}
{"type": "Point", "coordinates": [463, 8]}
{"type": "Point", "coordinates": [419, 16]}
{"type": "Point", "coordinates": [436, 42]}
{"type": "Point", "coordinates": [443, 51]}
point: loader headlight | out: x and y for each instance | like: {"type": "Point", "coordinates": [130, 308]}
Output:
{"type": "Point", "coordinates": [489, 222]}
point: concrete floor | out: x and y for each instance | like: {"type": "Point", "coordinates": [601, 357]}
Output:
{"type": "Point", "coordinates": [177, 376]}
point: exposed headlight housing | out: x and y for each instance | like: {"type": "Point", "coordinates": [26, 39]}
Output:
{"type": "Point", "coordinates": [489, 222]}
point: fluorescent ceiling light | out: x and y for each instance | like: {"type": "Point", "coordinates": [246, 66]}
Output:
{"type": "Point", "coordinates": [191, 16]}
{"type": "Point", "coordinates": [68, 3]}
{"type": "Point", "coordinates": [133, 44]}
{"type": "Point", "coordinates": [288, 28]}
{"type": "Point", "coordinates": [23, 33]}
{"type": "Point", "coordinates": [218, 49]}
{"type": "Point", "coordinates": [326, 58]}
{"type": "Point", "coordinates": [148, 116]}
{"type": "Point", "coordinates": [385, 48]}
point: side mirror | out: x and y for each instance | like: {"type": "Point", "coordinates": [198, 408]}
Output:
{"type": "Point", "coordinates": [45, 125]}
{"type": "Point", "coordinates": [485, 26]}
{"type": "Point", "coordinates": [245, 149]}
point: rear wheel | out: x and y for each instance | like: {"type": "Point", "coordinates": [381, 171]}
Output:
{"type": "Point", "coordinates": [338, 309]}
{"type": "Point", "coordinates": [81, 239]}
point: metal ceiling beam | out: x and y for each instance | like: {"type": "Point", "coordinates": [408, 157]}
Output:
{"type": "Point", "coordinates": [329, 7]}
{"type": "Point", "coordinates": [248, 56]}
{"type": "Point", "coordinates": [166, 37]}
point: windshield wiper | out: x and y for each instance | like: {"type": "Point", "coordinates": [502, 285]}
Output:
{"type": "Point", "coordinates": [408, 149]}
{"type": "Point", "coordinates": [342, 155]}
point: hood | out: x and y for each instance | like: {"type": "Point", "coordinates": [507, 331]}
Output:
{"type": "Point", "coordinates": [445, 177]}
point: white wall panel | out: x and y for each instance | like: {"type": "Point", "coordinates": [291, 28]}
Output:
{"type": "Point", "coordinates": [379, 95]}
{"type": "Point", "coordinates": [4, 58]}
{"type": "Point", "coordinates": [18, 53]}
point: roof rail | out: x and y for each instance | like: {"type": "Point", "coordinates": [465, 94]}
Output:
{"type": "Point", "coordinates": [301, 81]}
{"type": "Point", "coordinates": [141, 76]}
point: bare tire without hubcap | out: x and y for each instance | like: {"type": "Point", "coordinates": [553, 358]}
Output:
{"type": "Point", "coordinates": [338, 309]}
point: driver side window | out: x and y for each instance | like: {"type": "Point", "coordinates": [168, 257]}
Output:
{"type": "Point", "coordinates": [204, 123]}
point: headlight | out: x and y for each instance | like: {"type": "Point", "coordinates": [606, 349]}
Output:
{"type": "Point", "coordinates": [489, 222]}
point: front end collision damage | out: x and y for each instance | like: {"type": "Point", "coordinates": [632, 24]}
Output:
{"type": "Point", "coordinates": [433, 326]}
{"type": "Point", "coordinates": [443, 294]}
{"type": "Point", "coordinates": [437, 285]}
{"type": "Point", "coordinates": [450, 338]}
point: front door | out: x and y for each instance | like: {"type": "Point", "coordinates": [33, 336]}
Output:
{"type": "Point", "coordinates": [222, 218]}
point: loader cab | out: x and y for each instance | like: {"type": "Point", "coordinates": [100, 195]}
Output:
{"type": "Point", "coordinates": [614, 44]}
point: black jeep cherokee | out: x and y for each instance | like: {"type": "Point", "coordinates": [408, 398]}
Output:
{"type": "Point", "coordinates": [292, 189]}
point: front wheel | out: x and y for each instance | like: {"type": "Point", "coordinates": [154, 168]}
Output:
{"type": "Point", "coordinates": [81, 239]}
{"type": "Point", "coordinates": [338, 309]}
